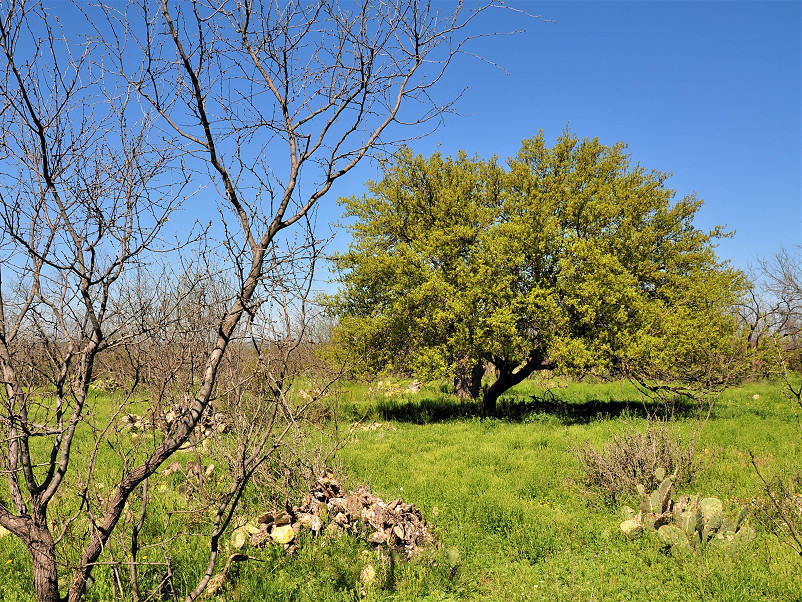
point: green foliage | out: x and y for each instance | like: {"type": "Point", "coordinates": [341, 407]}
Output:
{"type": "Point", "coordinates": [414, 238]}
{"type": "Point", "coordinates": [570, 257]}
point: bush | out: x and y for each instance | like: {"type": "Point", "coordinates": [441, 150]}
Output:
{"type": "Point", "coordinates": [781, 513]}
{"type": "Point", "coordinates": [631, 459]}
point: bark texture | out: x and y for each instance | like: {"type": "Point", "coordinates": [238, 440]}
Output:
{"type": "Point", "coordinates": [468, 379]}
{"type": "Point", "coordinates": [509, 375]}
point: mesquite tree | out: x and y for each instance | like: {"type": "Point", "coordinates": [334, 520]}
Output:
{"type": "Point", "coordinates": [256, 108]}
{"type": "Point", "coordinates": [571, 258]}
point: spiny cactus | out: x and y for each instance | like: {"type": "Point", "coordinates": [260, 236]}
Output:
{"type": "Point", "coordinates": [687, 524]}
{"type": "Point", "coordinates": [654, 510]}
{"type": "Point", "coordinates": [673, 536]}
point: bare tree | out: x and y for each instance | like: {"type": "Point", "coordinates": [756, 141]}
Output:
{"type": "Point", "coordinates": [774, 316]}
{"type": "Point", "coordinates": [80, 203]}
{"type": "Point", "coordinates": [262, 107]}
{"type": "Point", "coordinates": [781, 283]}
{"type": "Point", "coordinates": [772, 308]}
{"type": "Point", "coordinates": [773, 313]}
{"type": "Point", "coordinates": [270, 432]}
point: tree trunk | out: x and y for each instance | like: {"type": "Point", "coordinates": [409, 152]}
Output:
{"type": "Point", "coordinates": [468, 379]}
{"type": "Point", "coordinates": [490, 399]}
{"type": "Point", "coordinates": [45, 574]}
{"type": "Point", "coordinates": [508, 377]}
{"type": "Point", "coordinates": [33, 532]}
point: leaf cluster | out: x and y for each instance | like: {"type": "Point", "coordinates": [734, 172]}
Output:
{"type": "Point", "coordinates": [569, 257]}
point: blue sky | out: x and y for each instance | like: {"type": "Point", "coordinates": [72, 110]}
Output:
{"type": "Point", "coordinates": [707, 90]}
{"type": "Point", "coordinates": [711, 91]}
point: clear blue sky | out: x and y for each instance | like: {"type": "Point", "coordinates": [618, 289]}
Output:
{"type": "Point", "coordinates": [707, 90]}
{"type": "Point", "coordinates": [711, 91]}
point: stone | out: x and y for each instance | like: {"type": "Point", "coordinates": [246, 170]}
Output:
{"type": "Point", "coordinates": [251, 528]}
{"type": "Point", "coordinates": [378, 538]}
{"type": "Point", "coordinates": [305, 520]}
{"type": "Point", "coordinates": [174, 467]}
{"type": "Point", "coordinates": [368, 575]}
{"type": "Point", "coordinates": [238, 538]}
{"type": "Point", "coordinates": [266, 519]}
{"type": "Point", "coordinates": [259, 538]}
{"type": "Point", "coordinates": [283, 534]}
{"type": "Point", "coordinates": [282, 518]}
{"type": "Point", "coordinates": [354, 507]}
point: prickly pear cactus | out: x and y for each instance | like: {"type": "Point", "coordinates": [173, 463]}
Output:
{"type": "Point", "coordinates": [744, 535]}
{"type": "Point", "coordinates": [658, 502]}
{"type": "Point", "coordinates": [674, 537]}
{"type": "Point", "coordinates": [687, 524]}
{"type": "Point", "coordinates": [665, 492]}
{"type": "Point", "coordinates": [654, 509]}
{"type": "Point", "coordinates": [690, 521]}
{"type": "Point", "coordinates": [710, 505]}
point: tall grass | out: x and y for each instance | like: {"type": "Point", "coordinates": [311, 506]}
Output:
{"type": "Point", "coordinates": [502, 498]}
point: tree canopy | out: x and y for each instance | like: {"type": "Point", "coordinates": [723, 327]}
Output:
{"type": "Point", "coordinates": [571, 257]}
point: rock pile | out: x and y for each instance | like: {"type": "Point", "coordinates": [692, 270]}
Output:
{"type": "Point", "coordinates": [132, 422]}
{"type": "Point", "coordinates": [373, 426]}
{"type": "Point", "coordinates": [108, 384]}
{"type": "Point", "coordinates": [211, 423]}
{"type": "Point", "coordinates": [398, 525]}
{"type": "Point", "coordinates": [390, 388]}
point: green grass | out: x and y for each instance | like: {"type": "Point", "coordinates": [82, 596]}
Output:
{"type": "Point", "coordinates": [502, 494]}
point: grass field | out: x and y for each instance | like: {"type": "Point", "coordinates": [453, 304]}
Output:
{"type": "Point", "coordinates": [502, 497]}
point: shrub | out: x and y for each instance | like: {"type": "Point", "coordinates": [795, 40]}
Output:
{"type": "Point", "coordinates": [686, 524]}
{"type": "Point", "coordinates": [631, 459]}
{"type": "Point", "coordinates": [781, 514]}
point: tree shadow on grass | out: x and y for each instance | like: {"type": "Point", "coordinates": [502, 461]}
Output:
{"type": "Point", "coordinates": [548, 408]}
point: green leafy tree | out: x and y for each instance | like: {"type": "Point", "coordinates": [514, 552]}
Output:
{"type": "Point", "coordinates": [570, 258]}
